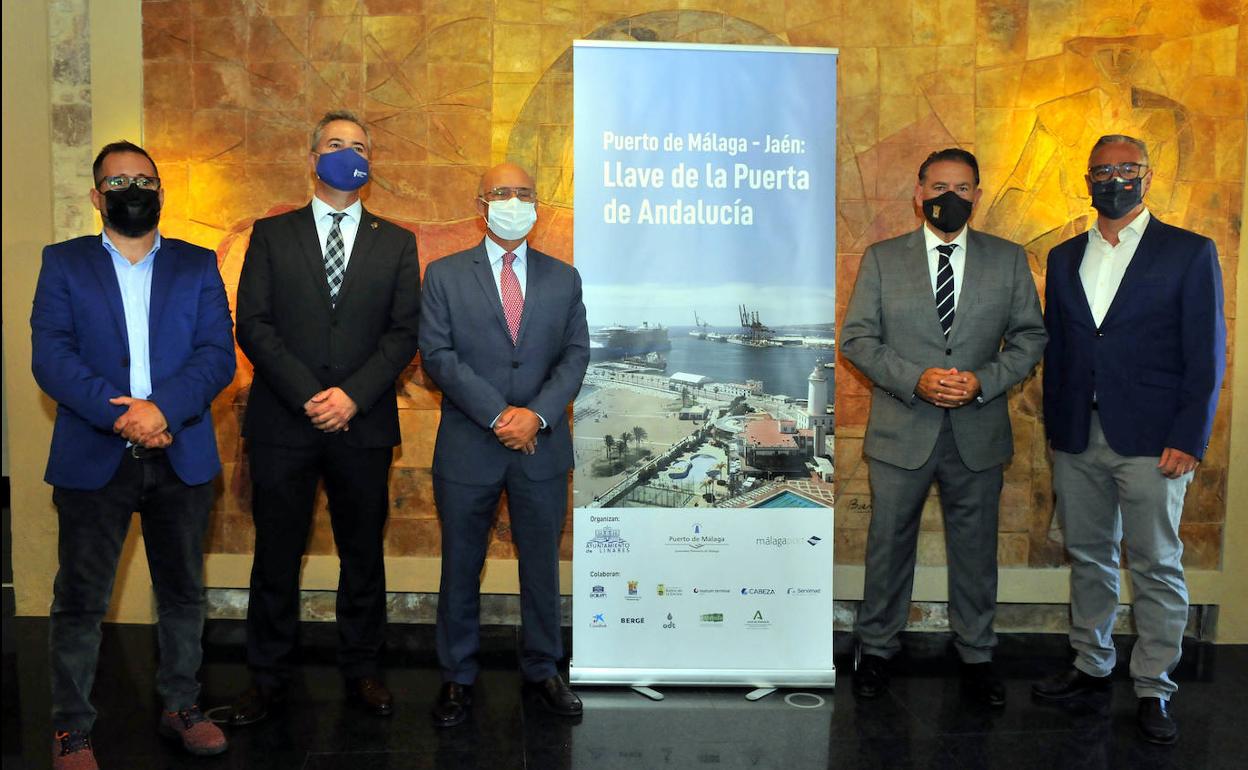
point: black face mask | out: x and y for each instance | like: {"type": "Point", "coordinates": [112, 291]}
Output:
{"type": "Point", "coordinates": [132, 212]}
{"type": "Point", "coordinates": [1114, 198]}
{"type": "Point", "coordinates": [948, 211]}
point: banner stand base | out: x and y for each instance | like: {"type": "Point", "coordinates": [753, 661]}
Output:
{"type": "Point", "coordinates": [649, 692]}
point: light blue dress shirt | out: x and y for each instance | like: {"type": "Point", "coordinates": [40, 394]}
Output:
{"type": "Point", "coordinates": [135, 282]}
{"type": "Point", "coordinates": [349, 225]}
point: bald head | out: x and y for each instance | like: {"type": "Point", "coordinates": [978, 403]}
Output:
{"type": "Point", "coordinates": [504, 175]}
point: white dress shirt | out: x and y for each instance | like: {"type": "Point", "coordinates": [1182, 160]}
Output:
{"type": "Point", "coordinates": [519, 266]}
{"type": "Point", "coordinates": [1104, 265]}
{"type": "Point", "coordinates": [349, 225]}
{"type": "Point", "coordinates": [957, 260]}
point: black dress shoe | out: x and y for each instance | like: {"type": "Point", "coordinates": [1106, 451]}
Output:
{"type": "Point", "coordinates": [982, 684]}
{"type": "Point", "coordinates": [451, 707]}
{"type": "Point", "coordinates": [556, 697]}
{"type": "Point", "coordinates": [871, 676]}
{"type": "Point", "coordinates": [1155, 722]}
{"type": "Point", "coordinates": [255, 704]}
{"type": "Point", "coordinates": [1069, 684]}
{"type": "Point", "coordinates": [372, 695]}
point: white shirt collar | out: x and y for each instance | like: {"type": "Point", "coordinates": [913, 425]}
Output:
{"type": "Point", "coordinates": [322, 209]}
{"type": "Point", "coordinates": [1134, 229]}
{"type": "Point", "coordinates": [496, 252]}
{"type": "Point", "coordinates": [932, 241]}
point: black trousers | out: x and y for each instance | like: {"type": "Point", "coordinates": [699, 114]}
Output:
{"type": "Point", "coordinates": [284, 481]}
{"type": "Point", "coordinates": [537, 510]}
{"type": "Point", "coordinates": [93, 526]}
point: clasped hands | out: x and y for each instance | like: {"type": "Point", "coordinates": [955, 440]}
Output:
{"type": "Point", "coordinates": [142, 423]}
{"type": "Point", "coordinates": [330, 410]}
{"type": "Point", "coordinates": [947, 388]}
{"type": "Point", "coordinates": [516, 428]}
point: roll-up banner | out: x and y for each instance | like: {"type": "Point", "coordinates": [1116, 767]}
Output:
{"type": "Point", "coordinates": [705, 234]}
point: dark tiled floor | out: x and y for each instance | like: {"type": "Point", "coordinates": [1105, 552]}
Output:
{"type": "Point", "coordinates": [923, 721]}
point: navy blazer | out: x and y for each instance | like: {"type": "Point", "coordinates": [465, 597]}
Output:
{"type": "Point", "coordinates": [466, 349]}
{"type": "Point", "coordinates": [81, 357]}
{"type": "Point", "coordinates": [1157, 359]}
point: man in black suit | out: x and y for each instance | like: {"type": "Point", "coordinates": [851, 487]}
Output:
{"type": "Point", "coordinates": [503, 335]}
{"type": "Point", "coordinates": [328, 310]}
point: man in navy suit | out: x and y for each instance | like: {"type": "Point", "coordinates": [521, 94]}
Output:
{"type": "Point", "coordinates": [328, 303]}
{"type": "Point", "coordinates": [131, 336]}
{"type": "Point", "coordinates": [503, 334]}
{"type": "Point", "coordinates": [1137, 350]}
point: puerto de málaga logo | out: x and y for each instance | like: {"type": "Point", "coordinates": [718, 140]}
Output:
{"type": "Point", "coordinates": [606, 540]}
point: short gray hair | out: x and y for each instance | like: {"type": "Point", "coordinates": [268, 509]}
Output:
{"type": "Point", "coordinates": [1121, 139]}
{"type": "Point", "coordinates": [333, 115]}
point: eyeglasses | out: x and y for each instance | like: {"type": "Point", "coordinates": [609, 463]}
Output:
{"type": "Point", "coordinates": [526, 194]}
{"type": "Point", "coordinates": [122, 182]}
{"type": "Point", "coordinates": [1126, 171]}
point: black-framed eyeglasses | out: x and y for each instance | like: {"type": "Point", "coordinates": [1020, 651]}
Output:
{"type": "Point", "coordinates": [526, 194]}
{"type": "Point", "coordinates": [122, 182]}
{"type": "Point", "coordinates": [1128, 171]}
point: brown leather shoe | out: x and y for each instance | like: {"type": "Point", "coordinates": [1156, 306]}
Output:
{"type": "Point", "coordinates": [371, 693]}
{"type": "Point", "coordinates": [453, 703]}
{"type": "Point", "coordinates": [557, 698]}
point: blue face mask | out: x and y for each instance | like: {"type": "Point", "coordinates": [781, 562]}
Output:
{"type": "Point", "coordinates": [344, 169]}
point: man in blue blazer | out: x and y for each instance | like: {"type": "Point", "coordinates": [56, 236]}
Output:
{"type": "Point", "coordinates": [1137, 350]}
{"type": "Point", "coordinates": [503, 334]}
{"type": "Point", "coordinates": [131, 336]}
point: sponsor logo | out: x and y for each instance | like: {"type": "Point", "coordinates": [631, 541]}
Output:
{"type": "Point", "coordinates": [703, 590]}
{"type": "Point", "coordinates": [634, 594]}
{"type": "Point", "coordinates": [696, 542]}
{"type": "Point", "coordinates": [671, 622]}
{"type": "Point", "coordinates": [758, 592]}
{"type": "Point", "coordinates": [786, 541]}
{"type": "Point", "coordinates": [597, 592]}
{"type": "Point", "coordinates": [599, 620]}
{"type": "Point", "coordinates": [804, 591]}
{"type": "Point", "coordinates": [665, 590]}
{"type": "Point", "coordinates": [606, 540]}
{"type": "Point", "coordinates": [757, 621]}
{"type": "Point", "coordinates": [711, 618]}
{"type": "Point", "coordinates": [632, 621]}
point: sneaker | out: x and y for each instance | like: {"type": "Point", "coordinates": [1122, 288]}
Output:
{"type": "Point", "coordinates": [72, 751]}
{"type": "Point", "coordinates": [198, 735]}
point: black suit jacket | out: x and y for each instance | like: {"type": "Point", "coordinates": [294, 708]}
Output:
{"type": "Point", "coordinates": [299, 344]}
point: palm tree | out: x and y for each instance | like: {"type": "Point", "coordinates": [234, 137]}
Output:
{"type": "Point", "coordinates": [609, 440]}
{"type": "Point", "coordinates": [623, 445]}
{"type": "Point", "coordinates": [640, 434]}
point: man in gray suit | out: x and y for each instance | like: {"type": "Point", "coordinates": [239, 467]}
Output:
{"type": "Point", "coordinates": [503, 334]}
{"type": "Point", "coordinates": [943, 321]}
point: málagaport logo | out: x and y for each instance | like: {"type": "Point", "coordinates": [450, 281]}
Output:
{"type": "Point", "coordinates": [757, 621]}
{"type": "Point", "coordinates": [711, 618]}
{"type": "Point", "coordinates": [599, 620]}
{"type": "Point", "coordinates": [696, 542]}
{"type": "Point", "coordinates": [758, 591]}
{"type": "Point", "coordinates": [607, 538]}
{"type": "Point", "coordinates": [787, 541]}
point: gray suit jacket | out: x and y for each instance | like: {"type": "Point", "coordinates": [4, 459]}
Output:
{"type": "Point", "coordinates": [892, 334]}
{"type": "Point", "coordinates": [466, 349]}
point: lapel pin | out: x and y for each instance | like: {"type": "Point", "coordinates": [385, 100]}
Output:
{"type": "Point", "coordinates": [373, 224]}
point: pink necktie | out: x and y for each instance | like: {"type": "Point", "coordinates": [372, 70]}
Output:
{"type": "Point", "coordinates": [513, 299]}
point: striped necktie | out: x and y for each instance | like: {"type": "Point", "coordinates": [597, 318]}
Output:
{"type": "Point", "coordinates": [335, 258]}
{"type": "Point", "coordinates": [944, 287]}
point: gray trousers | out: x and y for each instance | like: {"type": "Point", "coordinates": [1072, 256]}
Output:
{"type": "Point", "coordinates": [970, 501]}
{"type": "Point", "coordinates": [1103, 500]}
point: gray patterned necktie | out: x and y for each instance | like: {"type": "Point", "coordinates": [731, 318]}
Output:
{"type": "Point", "coordinates": [335, 258]}
{"type": "Point", "coordinates": [944, 287]}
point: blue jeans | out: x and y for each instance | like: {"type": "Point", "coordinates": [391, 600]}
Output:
{"type": "Point", "coordinates": [93, 526]}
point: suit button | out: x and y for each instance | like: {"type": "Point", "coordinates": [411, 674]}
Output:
{"type": "Point", "coordinates": [948, 351]}
{"type": "Point", "coordinates": [515, 364]}
{"type": "Point", "coordinates": [1100, 333]}
{"type": "Point", "coordinates": [125, 363]}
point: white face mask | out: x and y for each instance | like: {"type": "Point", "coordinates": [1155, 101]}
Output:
{"type": "Point", "coordinates": [511, 219]}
